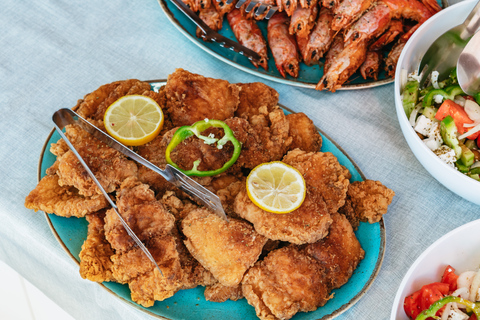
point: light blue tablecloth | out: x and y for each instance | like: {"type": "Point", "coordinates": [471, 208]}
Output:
{"type": "Point", "coordinates": [53, 52]}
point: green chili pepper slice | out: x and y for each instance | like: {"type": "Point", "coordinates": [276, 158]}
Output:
{"type": "Point", "coordinates": [196, 129]}
{"type": "Point", "coordinates": [447, 93]}
{"type": "Point", "coordinates": [437, 305]}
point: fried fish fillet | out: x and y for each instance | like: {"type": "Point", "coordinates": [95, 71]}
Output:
{"type": "Point", "coordinates": [220, 293]}
{"type": "Point", "coordinates": [144, 280]}
{"type": "Point", "coordinates": [366, 201]}
{"type": "Point", "coordinates": [191, 97]}
{"type": "Point", "coordinates": [255, 98]}
{"type": "Point", "coordinates": [323, 172]}
{"type": "Point", "coordinates": [307, 224]}
{"type": "Point", "coordinates": [95, 263]}
{"type": "Point", "coordinates": [300, 278]}
{"type": "Point", "coordinates": [146, 216]}
{"type": "Point", "coordinates": [66, 201]}
{"type": "Point", "coordinates": [109, 166]}
{"type": "Point", "coordinates": [287, 281]}
{"type": "Point", "coordinates": [226, 249]}
{"type": "Point", "coordinates": [305, 135]}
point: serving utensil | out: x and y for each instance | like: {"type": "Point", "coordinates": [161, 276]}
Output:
{"type": "Point", "coordinates": [468, 66]}
{"type": "Point", "coordinates": [444, 52]}
{"type": "Point", "coordinates": [66, 116]}
{"type": "Point", "coordinates": [60, 121]}
{"type": "Point", "coordinates": [209, 35]}
{"type": "Point", "coordinates": [260, 7]}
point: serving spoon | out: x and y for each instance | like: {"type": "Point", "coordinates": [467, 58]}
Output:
{"type": "Point", "coordinates": [468, 66]}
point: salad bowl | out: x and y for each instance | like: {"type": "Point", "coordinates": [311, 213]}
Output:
{"type": "Point", "coordinates": [408, 63]}
{"type": "Point", "coordinates": [458, 248]}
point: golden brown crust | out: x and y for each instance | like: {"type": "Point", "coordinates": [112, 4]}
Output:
{"type": "Point", "coordinates": [226, 249]}
{"type": "Point", "coordinates": [307, 224]}
{"type": "Point", "coordinates": [220, 293]}
{"type": "Point", "coordinates": [304, 133]}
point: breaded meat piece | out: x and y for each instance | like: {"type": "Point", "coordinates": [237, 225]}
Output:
{"type": "Point", "coordinates": [144, 280]}
{"type": "Point", "coordinates": [180, 208]}
{"type": "Point", "coordinates": [287, 281]}
{"type": "Point", "coordinates": [367, 201]}
{"type": "Point", "coordinates": [305, 136]}
{"type": "Point", "coordinates": [191, 97]}
{"type": "Point", "coordinates": [323, 172]}
{"type": "Point", "coordinates": [226, 249]}
{"type": "Point", "coordinates": [95, 263]}
{"type": "Point", "coordinates": [301, 278]}
{"type": "Point", "coordinates": [339, 253]}
{"type": "Point", "coordinates": [255, 98]}
{"type": "Point", "coordinates": [94, 104]}
{"type": "Point", "coordinates": [109, 166]}
{"type": "Point", "coordinates": [65, 201]}
{"type": "Point", "coordinates": [307, 224]}
{"type": "Point", "coordinates": [220, 293]}
{"type": "Point", "coordinates": [146, 216]}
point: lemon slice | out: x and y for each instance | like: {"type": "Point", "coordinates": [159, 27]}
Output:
{"type": "Point", "coordinates": [134, 120]}
{"type": "Point", "coordinates": [276, 187]}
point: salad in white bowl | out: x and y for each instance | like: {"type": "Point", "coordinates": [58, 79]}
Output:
{"type": "Point", "coordinates": [447, 120]}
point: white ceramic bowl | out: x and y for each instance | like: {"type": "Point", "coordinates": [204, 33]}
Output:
{"type": "Point", "coordinates": [459, 248]}
{"type": "Point", "coordinates": [408, 62]}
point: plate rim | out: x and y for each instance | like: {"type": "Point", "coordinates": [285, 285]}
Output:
{"type": "Point", "coordinates": [295, 83]}
{"type": "Point", "coordinates": [334, 314]}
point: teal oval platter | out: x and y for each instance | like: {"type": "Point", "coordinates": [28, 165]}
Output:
{"type": "Point", "coordinates": [191, 304]}
{"type": "Point", "coordinates": [308, 75]}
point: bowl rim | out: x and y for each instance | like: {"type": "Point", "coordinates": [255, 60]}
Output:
{"type": "Point", "coordinates": [408, 130]}
{"type": "Point", "coordinates": [397, 302]}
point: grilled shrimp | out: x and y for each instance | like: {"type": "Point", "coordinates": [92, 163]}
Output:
{"type": "Point", "coordinates": [302, 46]}
{"type": "Point", "coordinates": [371, 66]}
{"type": "Point", "coordinates": [308, 3]}
{"type": "Point", "coordinates": [330, 4]}
{"type": "Point", "coordinates": [395, 28]}
{"type": "Point", "coordinates": [303, 20]}
{"type": "Point", "coordinates": [392, 58]}
{"type": "Point", "coordinates": [344, 65]}
{"type": "Point", "coordinates": [320, 38]}
{"type": "Point", "coordinates": [283, 45]}
{"type": "Point", "coordinates": [212, 18]}
{"type": "Point", "coordinates": [222, 7]}
{"type": "Point", "coordinates": [335, 48]}
{"type": "Point", "coordinates": [288, 6]}
{"type": "Point", "coordinates": [348, 11]}
{"type": "Point", "coordinates": [432, 5]}
{"type": "Point", "coordinates": [249, 35]}
{"type": "Point", "coordinates": [202, 4]}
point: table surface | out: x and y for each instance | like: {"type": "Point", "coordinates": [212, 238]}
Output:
{"type": "Point", "coordinates": [53, 52]}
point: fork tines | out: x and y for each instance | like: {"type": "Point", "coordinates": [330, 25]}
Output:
{"type": "Point", "coordinates": [260, 7]}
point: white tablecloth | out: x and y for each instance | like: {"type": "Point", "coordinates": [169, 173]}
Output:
{"type": "Point", "coordinates": [53, 52]}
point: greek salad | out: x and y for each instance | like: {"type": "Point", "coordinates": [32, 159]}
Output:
{"type": "Point", "coordinates": [447, 120]}
{"type": "Point", "coordinates": [453, 298]}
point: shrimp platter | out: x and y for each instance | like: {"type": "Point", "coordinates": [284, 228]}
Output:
{"type": "Point", "coordinates": [345, 37]}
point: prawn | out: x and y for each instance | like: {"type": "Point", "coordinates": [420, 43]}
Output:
{"type": "Point", "coordinates": [392, 58]}
{"type": "Point", "coordinates": [348, 11]}
{"type": "Point", "coordinates": [371, 66]}
{"type": "Point", "coordinates": [249, 35]}
{"type": "Point", "coordinates": [320, 38]}
{"type": "Point", "coordinates": [330, 4]}
{"type": "Point", "coordinates": [303, 20]}
{"type": "Point", "coordinates": [222, 7]}
{"type": "Point", "coordinates": [252, 13]}
{"type": "Point", "coordinates": [394, 29]}
{"type": "Point", "coordinates": [283, 45]}
{"type": "Point", "coordinates": [335, 49]}
{"type": "Point", "coordinates": [288, 6]}
{"type": "Point", "coordinates": [212, 18]}
{"type": "Point", "coordinates": [308, 3]}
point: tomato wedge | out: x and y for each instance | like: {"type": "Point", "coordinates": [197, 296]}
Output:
{"type": "Point", "coordinates": [449, 277]}
{"type": "Point", "coordinates": [456, 111]}
{"type": "Point", "coordinates": [411, 306]}
{"type": "Point", "coordinates": [422, 299]}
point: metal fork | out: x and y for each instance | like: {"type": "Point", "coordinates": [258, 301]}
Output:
{"type": "Point", "coordinates": [260, 7]}
{"type": "Point", "coordinates": [171, 174]}
{"type": "Point", "coordinates": [210, 35]}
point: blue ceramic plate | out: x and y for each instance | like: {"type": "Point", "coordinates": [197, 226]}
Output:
{"type": "Point", "coordinates": [191, 304]}
{"type": "Point", "coordinates": [308, 75]}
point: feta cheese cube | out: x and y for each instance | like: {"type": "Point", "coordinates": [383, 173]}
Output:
{"type": "Point", "coordinates": [446, 154]}
{"type": "Point", "coordinates": [457, 315]}
{"type": "Point", "coordinates": [432, 143]}
{"type": "Point", "coordinates": [423, 125]}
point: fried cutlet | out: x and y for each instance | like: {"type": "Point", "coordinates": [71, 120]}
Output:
{"type": "Point", "coordinates": [304, 133]}
{"type": "Point", "coordinates": [65, 201]}
{"type": "Point", "coordinates": [307, 224]}
{"type": "Point", "coordinates": [322, 172]}
{"type": "Point", "coordinates": [226, 249]}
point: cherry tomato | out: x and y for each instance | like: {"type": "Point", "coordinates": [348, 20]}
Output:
{"type": "Point", "coordinates": [449, 277]}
